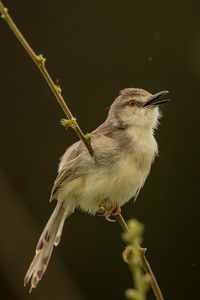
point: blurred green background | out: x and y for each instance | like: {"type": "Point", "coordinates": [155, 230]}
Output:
{"type": "Point", "coordinates": [94, 49]}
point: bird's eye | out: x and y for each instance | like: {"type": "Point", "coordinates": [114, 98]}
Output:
{"type": "Point", "coordinates": [132, 102]}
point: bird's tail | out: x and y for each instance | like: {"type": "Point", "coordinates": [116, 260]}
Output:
{"type": "Point", "coordinates": [50, 237]}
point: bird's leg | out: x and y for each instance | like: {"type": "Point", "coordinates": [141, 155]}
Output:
{"type": "Point", "coordinates": [108, 212]}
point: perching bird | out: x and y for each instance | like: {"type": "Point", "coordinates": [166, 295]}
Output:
{"type": "Point", "coordinates": [124, 149]}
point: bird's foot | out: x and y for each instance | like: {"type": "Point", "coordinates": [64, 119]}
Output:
{"type": "Point", "coordinates": [108, 212]}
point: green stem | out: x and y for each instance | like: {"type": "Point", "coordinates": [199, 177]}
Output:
{"type": "Point", "coordinates": [144, 262]}
{"type": "Point", "coordinates": [40, 62]}
{"type": "Point", "coordinates": [137, 279]}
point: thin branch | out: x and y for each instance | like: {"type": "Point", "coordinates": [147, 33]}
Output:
{"type": "Point", "coordinates": [122, 222]}
{"type": "Point", "coordinates": [40, 62]}
{"type": "Point", "coordinates": [71, 122]}
{"type": "Point", "coordinates": [146, 266]}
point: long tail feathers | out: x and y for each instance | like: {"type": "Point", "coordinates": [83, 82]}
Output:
{"type": "Point", "coordinates": [50, 237]}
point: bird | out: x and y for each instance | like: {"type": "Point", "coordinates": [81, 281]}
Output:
{"type": "Point", "coordinates": [124, 149]}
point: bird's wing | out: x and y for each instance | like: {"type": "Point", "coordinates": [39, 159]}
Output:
{"type": "Point", "coordinates": [76, 160]}
{"type": "Point", "coordinates": [66, 165]}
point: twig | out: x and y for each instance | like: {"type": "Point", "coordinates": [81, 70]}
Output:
{"type": "Point", "coordinates": [40, 62]}
{"type": "Point", "coordinates": [122, 222]}
{"type": "Point", "coordinates": [146, 266]}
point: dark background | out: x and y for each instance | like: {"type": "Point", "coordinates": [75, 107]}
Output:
{"type": "Point", "coordinates": [94, 49]}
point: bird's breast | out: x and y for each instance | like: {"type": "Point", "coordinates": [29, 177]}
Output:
{"type": "Point", "coordinates": [122, 181]}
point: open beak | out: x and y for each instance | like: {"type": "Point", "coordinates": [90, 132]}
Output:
{"type": "Point", "coordinates": [154, 99]}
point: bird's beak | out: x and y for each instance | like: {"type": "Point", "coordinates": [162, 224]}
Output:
{"type": "Point", "coordinates": [154, 99]}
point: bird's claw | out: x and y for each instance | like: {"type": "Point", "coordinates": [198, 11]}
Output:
{"type": "Point", "coordinates": [107, 213]}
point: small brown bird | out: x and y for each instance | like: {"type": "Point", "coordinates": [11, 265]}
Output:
{"type": "Point", "coordinates": [124, 149]}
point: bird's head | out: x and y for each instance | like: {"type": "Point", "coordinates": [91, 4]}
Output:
{"type": "Point", "coordinates": [136, 107]}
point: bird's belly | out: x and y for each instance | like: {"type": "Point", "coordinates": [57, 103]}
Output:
{"type": "Point", "coordinates": [115, 186]}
